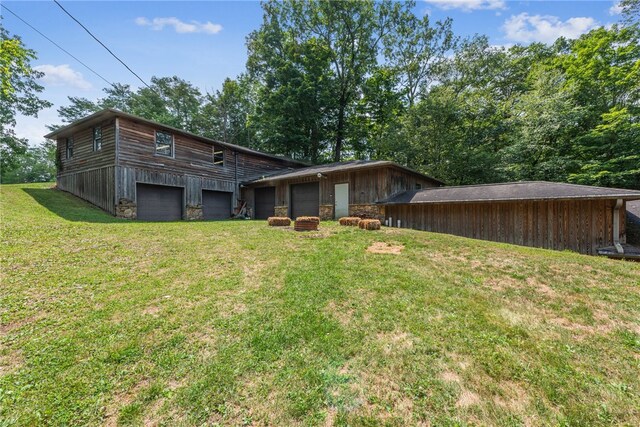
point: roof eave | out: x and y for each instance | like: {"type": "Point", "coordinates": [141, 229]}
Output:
{"type": "Point", "coordinates": [384, 163]}
{"type": "Point", "coordinates": [626, 197]}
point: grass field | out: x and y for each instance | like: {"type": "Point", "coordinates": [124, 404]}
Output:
{"type": "Point", "coordinates": [104, 321]}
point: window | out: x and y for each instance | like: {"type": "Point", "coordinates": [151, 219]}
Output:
{"type": "Point", "coordinates": [218, 156]}
{"type": "Point", "coordinates": [164, 144]}
{"type": "Point", "coordinates": [418, 186]}
{"type": "Point", "coordinates": [97, 138]}
{"type": "Point", "coordinates": [69, 148]}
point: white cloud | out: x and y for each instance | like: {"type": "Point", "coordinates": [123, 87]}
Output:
{"type": "Point", "coordinates": [527, 28]}
{"type": "Point", "coordinates": [468, 5]}
{"type": "Point", "coordinates": [62, 75]}
{"type": "Point", "coordinates": [34, 128]}
{"type": "Point", "coordinates": [179, 26]}
{"type": "Point", "coordinates": [616, 9]}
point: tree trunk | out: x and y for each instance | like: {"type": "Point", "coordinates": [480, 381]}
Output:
{"type": "Point", "coordinates": [337, 153]}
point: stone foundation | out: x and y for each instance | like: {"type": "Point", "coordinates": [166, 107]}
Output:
{"type": "Point", "coordinates": [367, 211]}
{"type": "Point", "coordinates": [281, 211]}
{"type": "Point", "coordinates": [126, 209]}
{"type": "Point", "coordinates": [194, 213]}
{"type": "Point", "coordinates": [326, 212]}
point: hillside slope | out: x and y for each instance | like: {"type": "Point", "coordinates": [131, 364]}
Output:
{"type": "Point", "coordinates": [108, 321]}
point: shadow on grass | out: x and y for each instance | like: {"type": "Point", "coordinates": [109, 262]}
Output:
{"type": "Point", "coordinates": [69, 207]}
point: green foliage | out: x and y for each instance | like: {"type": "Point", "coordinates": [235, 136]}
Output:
{"type": "Point", "coordinates": [36, 164]}
{"type": "Point", "coordinates": [18, 95]}
{"type": "Point", "coordinates": [361, 79]}
{"type": "Point", "coordinates": [225, 114]}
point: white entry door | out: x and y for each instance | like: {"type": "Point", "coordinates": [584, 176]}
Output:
{"type": "Point", "coordinates": [342, 200]}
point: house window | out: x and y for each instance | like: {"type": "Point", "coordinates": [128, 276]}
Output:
{"type": "Point", "coordinates": [164, 144]}
{"type": "Point", "coordinates": [418, 186]}
{"type": "Point", "coordinates": [69, 148]}
{"type": "Point", "coordinates": [218, 156]}
{"type": "Point", "coordinates": [97, 138]}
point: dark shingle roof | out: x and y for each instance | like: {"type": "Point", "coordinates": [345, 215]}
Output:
{"type": "Point", "coordinates": [513, 191]}
{"type": "Point", "coordinates": [336, 167]}
{"type": "Point", "coordinates": [108, 113]}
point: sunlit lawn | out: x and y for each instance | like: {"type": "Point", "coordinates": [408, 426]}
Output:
{"type": "Point", "coordinates": [191, 323]}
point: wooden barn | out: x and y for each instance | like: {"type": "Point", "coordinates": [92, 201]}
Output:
{"type": "Point", "coordinates": [332, 191]}
{"type": "Point", "coordinates": [540, 214]}
{"type": "Point", "coordinates": [136, 168]}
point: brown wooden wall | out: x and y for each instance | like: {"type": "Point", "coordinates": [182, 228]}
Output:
{"type": "Point", "coordinates": [581, 226]}
{"type": "Point", "coordinates": [89, 174]}
{"type": "Point", "coordinates": [366, 186]}
{"type": "Point", "coordinates": [127, 177]}
{"type": "Point", "coordinates": [192, 156]}
{"type": "Point", "coordinates": [84, 158]}
{"type": "Point", "coordinates": [96, 186]}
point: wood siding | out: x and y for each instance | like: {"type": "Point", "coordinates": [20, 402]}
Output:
{"type": "Point", "coordinates": [192, 156]}
{"type": "Point", "coordinates": [191, 168]}
{"type": "Point", "coordinates": [366, 186]}
{"type": "Point", "coordinates": [127, 178]}
{"type": "Point", "coordinates": [84, 158]}
{"type": "Point", "coordinates": [581, 226]}
{"type": "Point", "coordinates": [96, 186]}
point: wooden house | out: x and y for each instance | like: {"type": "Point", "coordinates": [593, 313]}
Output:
{"type": "Point", "coordinates": [138, 169]}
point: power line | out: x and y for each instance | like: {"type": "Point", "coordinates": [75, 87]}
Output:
{"type": "Point", "coordinates": [103, 45]}
{"type": "Point", "coordinates": [57, 45]}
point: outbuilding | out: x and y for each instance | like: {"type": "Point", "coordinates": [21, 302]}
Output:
{"type": "Point", "coordinates": [333, 190]}
{"type": "Point", "coordinates": [539, 214]}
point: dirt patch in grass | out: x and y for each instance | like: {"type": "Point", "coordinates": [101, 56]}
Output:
{"type": "Point", "coordinates": [120, 400]}
{"type": "Point", "coordinates": [152, 310]}
{"type": "Point", "coordinates": [10, 361]}
{"type": "Point", "coordinates": [342, 314]}
{"type": "Point", "coordinates": [385, 248]}
{"type": "Point", "coordinates": [513, 397]}
{"type": "Point", "coordinates": [467, 398]}
{"type": "Point", "coordinates": [395, 341]}
{"type": "Point", "coordinates": [450, 377]}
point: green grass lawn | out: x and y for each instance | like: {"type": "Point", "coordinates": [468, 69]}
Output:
{"type": "Point", "coordinates": [104, 321]}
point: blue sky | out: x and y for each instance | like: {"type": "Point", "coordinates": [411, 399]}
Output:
{"type": "Point", "coordinates": [204, 42]}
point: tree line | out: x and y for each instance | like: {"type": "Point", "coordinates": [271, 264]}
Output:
{"type": "Point", "coordinates": [332, 81]}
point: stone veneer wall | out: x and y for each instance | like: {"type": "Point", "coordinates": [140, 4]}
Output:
{"type": "Point", "coordinates": [194, 213]}
{"type": "Point", "coordinates": [326, 212]}
{"type": "Point", "coordinates": [367, 211]}
{"type": "Point", "coordinates": [281, 210]}
{"type": "Point", "coordinates": [126, 209]}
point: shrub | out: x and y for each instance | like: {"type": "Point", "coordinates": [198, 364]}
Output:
{"type": "Point", "coordinates": [306, 223]}
{"type": "Point", "coordinates": [349, 220]}
{"type": "Point", "coordinates": [278, 221]}
{"type": "Point", "coordinates": [369, 224]}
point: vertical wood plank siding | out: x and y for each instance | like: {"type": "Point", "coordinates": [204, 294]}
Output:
{"type": "Point", "coordinates": [96, 186]}
{"type": "Point", "coordinates": [577, 225]}
{"type": "Point", "coordinates": [366, 186]}
{"type": "Point", "coordinates": [191, 168]}
{"type": "Point", "coordinates": [127, 177]}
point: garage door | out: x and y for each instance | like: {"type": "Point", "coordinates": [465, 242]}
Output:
{"type": "Point", "coordinates": [216, 204]}
{"type": "Point", "coordinates": [159, 202]}
{"type": "Point", "coordinates": [305, 199]}
{"type": "Point", "coordinates": [265, 201]}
